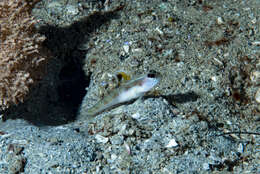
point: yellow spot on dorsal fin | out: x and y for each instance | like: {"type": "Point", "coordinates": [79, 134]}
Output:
{"type": "Point", "coordinates": [122, 77]}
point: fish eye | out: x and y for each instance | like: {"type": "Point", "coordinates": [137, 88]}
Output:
{"type": "Point", "coordinates": [151, 75]}
{"type": "Point", "coordinates": [119, 76]}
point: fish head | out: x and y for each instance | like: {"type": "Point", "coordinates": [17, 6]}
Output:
{"type": "Point", "coordinates": [139, 86]}
{"type": "Point", "coordinates": [150, 80]}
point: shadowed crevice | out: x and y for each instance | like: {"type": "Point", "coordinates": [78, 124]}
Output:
{"type": "Point", "coordinates": [55, 100]}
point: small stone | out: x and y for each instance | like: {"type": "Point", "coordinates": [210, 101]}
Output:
{"type": "Point", "coordinates": [138, 50]}
{"type": "Point", "coordinates": [147, 19]}
{"type": "Point", "coordinates": [135, 115]}
{"type": "Point", "coordinates": [126, 48]}
{"type": "Point", "coordinates": [172, 143]}
{"type": "Point", "coordinates": [54, 140]}
{"type": "Point", "coordinates": [220, 20]}
{"type": "Point", "coordinates": [72, 10]}
{"type": "Point", "coordinates": [218, 61]}
{"type": "Point", "coordinates": [257, 43]}
{"type": "Point", "coordinates": [257, 96]}
{"type": "Point", "coordinates": [229, 122]}
{"type": "Point", "coordinates": [214, 78]}
{"type": "Point", "coordinates": [240, 148]}
{"type": "Point", "coordinates": [255, 77]}
{"type": "Point", "coordinates": [131, 131]}
{"type": "Point", "coordinates": [117, 140]}
{"type": "Point", "coordinates": [113, 157]}
{"type": "Point", "coordinates": [254, 20]}
{"type": "Point", "coordinates": [127, 147]}
{"type": "Point", "coordinates": [123, 128]}
{"type": "Point", "coordinates": [159, 30]}
{"type": "Point", "coordinates": [226, 55]}
{"type": "Point", "coordinates": [133, 63]}
{"type": "Point", "coordinates": [101, 139]}
{"type": "Point", "coordinates": [206, 166]}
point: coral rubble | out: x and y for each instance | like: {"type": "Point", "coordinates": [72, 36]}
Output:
{"type": "Point", "coordinates": [21, 53]}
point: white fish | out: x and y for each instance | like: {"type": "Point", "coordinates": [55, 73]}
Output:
{"type": "Point", "coordinates": [130, 90]}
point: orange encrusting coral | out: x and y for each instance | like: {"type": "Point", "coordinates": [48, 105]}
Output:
{"type": "Point", "coordinates": [21, 54]}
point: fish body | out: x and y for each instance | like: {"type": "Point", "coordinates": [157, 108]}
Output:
{"type": "Point", "coordinates": [126, 92]}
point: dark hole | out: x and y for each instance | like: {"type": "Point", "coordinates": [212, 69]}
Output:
{"type": "Point", "coordinates": [73, 83]}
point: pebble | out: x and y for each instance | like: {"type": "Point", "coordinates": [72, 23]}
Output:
{"type": "Point", "coordinates": [220, 20]}
{"type": "Point", "coordinates": [113, 157]}
{"type": "Point", "coordinates": [214, 78]}
{"type": "Point", "coordinates": [72, 10]}
{"type": "Point", "coordinates": [117, 140]}
{"type": "Point", "coordinates": [133, 63]}
{"type": "Point", "coordinates": [257, 96]}
{"type": "Point", "coordinates": [139, 50]}
{"type": "Point", "coordinates": [255, 77]}
{"type": "Point", "coordinates": [131, 131]}
{"type": "Point", "coordinates": [135, 115]}
{"type": "Point", "coordinates": [254, 20]}
{"type": "Point", "coordinates": [206, 166]}
{"type": "Point", "coordinates": [159, 30]}
{"type": "Point", "coordinates": [172, 143]}
{"type": "Point", "coordinates": [101, 139]}
{"type": "Point", "coordinates": [257, 43]}
{"type": "Point", "coordinates": [147, 19]}
{"type": "Point", "coordinates": [240, 148]}
{"type": "Point", "coordinates": [126, 48]}
{"type": "Point", "coordinates": [127, 147]}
